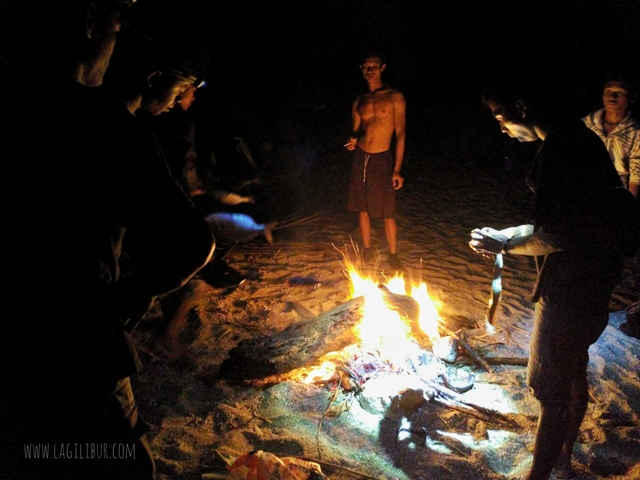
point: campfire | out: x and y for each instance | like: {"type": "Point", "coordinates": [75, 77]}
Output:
{"type": "Point", "coordinates": [387, 344]}
{"type": "Point", "coordinates": [382, 326]}
{"type": "Point", "coordinates": [394, 325]}
{"type": "Point", "coordinates": [386, 353]}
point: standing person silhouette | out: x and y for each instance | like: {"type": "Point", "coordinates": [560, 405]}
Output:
{"type": "Point", "coordinates": [378, 116]}
{"type": "Point", "coordinates": [574, 239]}
{"type": "Point", "coordinates": [67, 409]}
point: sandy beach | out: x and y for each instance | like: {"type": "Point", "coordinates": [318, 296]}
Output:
{"type": "Point", "coordinates": [196, 416]}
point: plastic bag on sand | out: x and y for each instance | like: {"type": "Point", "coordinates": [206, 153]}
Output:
{"type": "Point", "coordinates": [261, 465]}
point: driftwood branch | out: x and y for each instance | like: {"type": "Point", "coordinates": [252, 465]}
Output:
{"type": "Point", "coordinates": [298, 345]}
{"type": "Point", "coordinates": [475, 355]}
{"type": "Point", "coordinates": [447, 398]}
{"type": "Point", "coordinates": [518, 361]}
{"type": "Point", "coordinates": [306, 341]}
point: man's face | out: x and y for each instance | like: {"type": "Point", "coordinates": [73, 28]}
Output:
{"type": "Point", "coordinates": [163, 98]}
{"type": "Point", "coordinates": [511, 125]}
{"type": "Point", "coordinates": [615, 98]}
{"type": "Point", "coordinates": [372, 68]}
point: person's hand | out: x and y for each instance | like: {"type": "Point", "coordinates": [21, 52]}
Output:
{"type": "Point", "coordinates": [488, 241]}
{"type": "Point", "coordinates": [230, 198]}
{"type": "Point", "coordinates": [351, 144]}
{"type": "Point", "coordinates": [397, 181]}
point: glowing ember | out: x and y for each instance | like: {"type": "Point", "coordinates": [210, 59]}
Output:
{"type": "Point", "coordinates": [321, 372]}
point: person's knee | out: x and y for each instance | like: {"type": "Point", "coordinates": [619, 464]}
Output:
{"type": "Point", "coordinates": [555, 409]}
{"type": "Point", "coordinates": [579, 390]}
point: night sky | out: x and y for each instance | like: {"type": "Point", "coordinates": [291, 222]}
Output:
{"type": "Point", "coordinates": [282, 51]}
{"type": "Point", "coordinates": [266, 56]}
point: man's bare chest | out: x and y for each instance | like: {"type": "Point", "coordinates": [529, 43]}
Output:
{"type": "Point", "coordinates": [373, 107]}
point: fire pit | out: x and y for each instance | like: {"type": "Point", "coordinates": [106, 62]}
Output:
{"type": "Point", "coordinates": [376, 349]}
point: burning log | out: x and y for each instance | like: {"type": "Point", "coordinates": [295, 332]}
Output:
{"type": "Point", "coordinates": [298, 345]}
{"type": "Point", "coordinates": [409, 308]}
{"type": "Point", "coordinates": [306, 341]}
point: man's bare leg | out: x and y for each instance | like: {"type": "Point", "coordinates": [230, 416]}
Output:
{"type": "Point", "coordinates": [577, 410]}
{"type": "Point", "coordinates": [552, 430]}
{"type": "Point", "coordinates": [391, 231]}
{"type": "Point", "coordinates": [365, 229]}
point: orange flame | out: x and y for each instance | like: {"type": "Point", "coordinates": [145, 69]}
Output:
{"type": "Point", "coordinates": [382, 329]}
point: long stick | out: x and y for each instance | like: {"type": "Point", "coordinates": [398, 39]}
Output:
{"type": "Point", "coordinates": [322, 463]}
{"type": "Point", "coordinates": [479, 360]}
{"type": "Point", "coordinates": [496, 288]}
{"type": "Point", "coordinates": [518, 361]}
{"type": "Point", "coordinates": [446, 398]}
{"type": "Point", "coordinates": [292, 223]}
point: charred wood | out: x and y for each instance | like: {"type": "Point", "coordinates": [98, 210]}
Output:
{"type": "Point", "coordinates": [296, 346]}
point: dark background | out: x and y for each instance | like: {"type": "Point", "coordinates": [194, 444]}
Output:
{"type": "Point", "coordinates": [282, 74]}
{"type": "Point", "coordinates": [272, 53]}
{"type": "Point", "coordinates": [267, 57]}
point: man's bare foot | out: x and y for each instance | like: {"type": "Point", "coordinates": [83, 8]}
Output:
{"type": "Point", "coordinates": [394, 262]}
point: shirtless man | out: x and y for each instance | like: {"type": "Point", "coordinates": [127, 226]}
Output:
{"type": "Point", "coordinates": [375, 174]}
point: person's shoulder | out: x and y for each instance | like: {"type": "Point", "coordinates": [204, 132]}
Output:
{"type": "Point", "coordinates": [631, 122]}
{"type": "Point", "coordinates": [571, 131]}
{"type": "Point", "coordinates": [593, 118]}
{"type": "Point", "coordinates": [394, 94]}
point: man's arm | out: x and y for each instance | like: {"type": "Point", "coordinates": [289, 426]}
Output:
{"type": "Point", "coordinates": [353, 139]}
{"type": "Point", "coordinates": [400, 123]}
{"type": "Point", "coordinates": [521, 240]}
{"type": "Point", "coordinates": [536, 243]}
{"type": "Point", "coordinates": [634, 167]}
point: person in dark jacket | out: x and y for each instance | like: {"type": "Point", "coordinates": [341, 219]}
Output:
{"type": "Point", "coordinates": [94, 187]}
{"type": "Point", "coordinates": [573, 235]}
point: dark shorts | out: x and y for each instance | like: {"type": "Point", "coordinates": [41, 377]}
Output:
{"type": "Point", "coordinates": [559, 349]}
{"type": "Point", "coordinates": [371, 189]}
